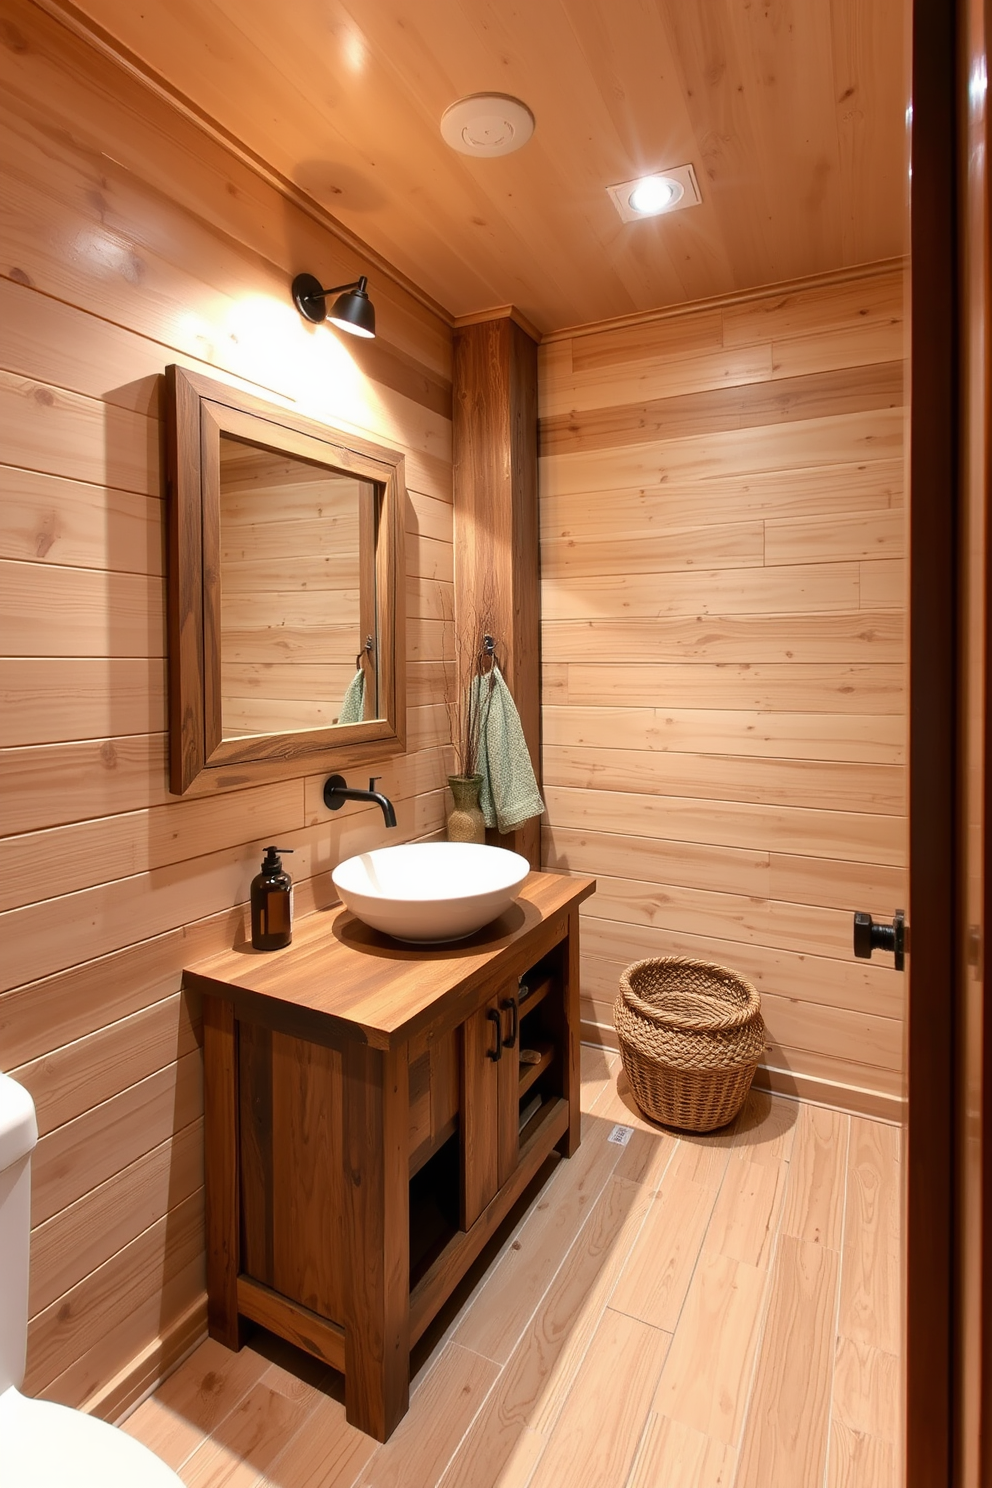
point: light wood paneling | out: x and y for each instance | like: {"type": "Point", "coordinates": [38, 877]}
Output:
{"type": "Point", "coordinates": [796, 132]}
{"type": "Point", "coordinates": [845, 439]}
{"type": "Point", "coordinates": [122, 220]}
{"type": "Point", "coordinates": [784, 687]}
{"type": "Point", "coordinates": [50, 700]}
{"type": "Point", "coordinates": [823, 784]}
{"type": "Point", "coordinates": [747, 639]}
{"type": "Point", "coordinates": [724, 708]}
{"type": "Point", "coordinates": [810, 491]}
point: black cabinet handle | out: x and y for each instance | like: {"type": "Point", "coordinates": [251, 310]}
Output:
{"type": "Point", "coordinates": [496, 1054]}
{"type": "Point", "coordinates": [510, 1005]}
{"type": "Point", "coordinates": [872, 935]}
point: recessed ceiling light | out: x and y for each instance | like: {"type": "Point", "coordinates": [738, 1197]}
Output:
{"type": "Point", "coordinates": [650, 196]}
{"type": "Point", "coordinates": [487, 124]}
{"type": "Point", "coordinates": [654, 194]}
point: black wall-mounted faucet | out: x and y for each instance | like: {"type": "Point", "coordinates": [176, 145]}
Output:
{"type": "Point", "coordinates": [337, 791]}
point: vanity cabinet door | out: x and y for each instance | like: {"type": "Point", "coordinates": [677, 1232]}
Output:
{"type": "Point", "coordinates": [489, 1114]}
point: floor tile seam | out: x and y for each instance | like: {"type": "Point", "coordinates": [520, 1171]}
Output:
{"type": "Point", "coordinates": [578, 1363]}
{"type": "Point", "coordinates": [774, 1230]}
{"type": "Point", "coordinates": [664, 1174]}
{"type": "Point", "coordinates": [881, 1353]}
{"type": "Point", "coordinates": [490, 1275]}
{"type": "Point", "coordinates": [520, 1342]}
{"type": "Point", "coordinates": [207, 1437]}
{"type": "Point", "coordinates": [498, 1261]}
{"type": "Point", "coordinates": [651, 1412]}
{"type": "Point", "coordinates": [240, 1399]}
{"type": "Point", "coordinates": [210, 1434]}
{"type": "Point", "coordinates": [537, 1462]}
{"type": "Point", "coordinates": [593, 1201]}
{"type": "Point", "coordinates": [494, 1382]}
{"type": "Point", "coordinates": [641, 1447]}
{"type": "Point", "coordinates": [524, 1426]}
{"type": "Point", "coordinates": [204, 1438]}
{"type": "Point", "coordinates": [701, 1249]}
{"type": "Point", "coordinates": [870, 1259]}
{"type": "Point", "coordinates": [837, 1299]}
{"type": "Point", "coordinates": [764, 1312]}
{"type": "Point", "coordinates": [262, 1478]}
{"type": "Point", "coordinates": [265, 1478]}
{"type": "Point", "coordinates": [838, 1249]}
{"type": "Point", "coordinates": [549, 1432]}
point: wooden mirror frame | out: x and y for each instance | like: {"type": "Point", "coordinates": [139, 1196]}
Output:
{"type": "Point", "coordinates": [199, 411]}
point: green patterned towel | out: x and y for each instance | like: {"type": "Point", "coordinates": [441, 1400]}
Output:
{"type": "Point", "coordinates": [509, 793]}
{"type": "Point", "coordinates": [353, 702]}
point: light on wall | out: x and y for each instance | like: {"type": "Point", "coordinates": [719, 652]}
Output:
{"type": "Point", "coordinates": [352, 311]}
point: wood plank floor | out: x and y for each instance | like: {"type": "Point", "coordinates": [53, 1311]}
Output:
{"type": "Point", "coordinates": [711, 1312]}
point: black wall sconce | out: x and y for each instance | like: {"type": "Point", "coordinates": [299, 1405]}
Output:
{"type": "Point", "coordinates": [352, 311]}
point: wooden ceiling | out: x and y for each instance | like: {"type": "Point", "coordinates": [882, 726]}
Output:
{"type": "Point", "coordinates": [791, 111]}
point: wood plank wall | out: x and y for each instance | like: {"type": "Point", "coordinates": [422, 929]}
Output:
{"type": "Point", "coordinates": [131, 239]}
{"type": "Point", "coordinates": [724, 657]}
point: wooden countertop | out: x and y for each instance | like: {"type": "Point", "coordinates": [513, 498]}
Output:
{"type": "Point", "coordinates": [341, 979]}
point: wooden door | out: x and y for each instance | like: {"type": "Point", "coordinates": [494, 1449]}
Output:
{"type": "Point", "coordinates": [490, 1079]}
{"type": "Point", "coordinates": [971, 1448]}
{"type": "Point", "coordinates": [949, 1237]}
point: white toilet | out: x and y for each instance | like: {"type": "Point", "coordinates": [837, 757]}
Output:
{"type": "Point", "coordinates": [44, 1445]}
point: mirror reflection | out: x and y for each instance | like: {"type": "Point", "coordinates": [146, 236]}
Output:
{"type": "Point", "coordinates": [297, 584]}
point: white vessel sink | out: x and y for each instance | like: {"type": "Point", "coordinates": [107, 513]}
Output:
{"type": "Point", "coordinates": [430, 891]}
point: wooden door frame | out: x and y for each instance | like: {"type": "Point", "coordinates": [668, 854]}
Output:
{"type": "Point", "coordinates": [948, 40]}
{"type": "Point", "coordinates": [933, 649]}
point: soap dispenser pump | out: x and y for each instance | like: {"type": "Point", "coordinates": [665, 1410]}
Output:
{"type": "Point", "coordinates": [272, 903]}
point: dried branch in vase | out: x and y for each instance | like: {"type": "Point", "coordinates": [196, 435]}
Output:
{"type": "Point", "coordinates": [464, 658]}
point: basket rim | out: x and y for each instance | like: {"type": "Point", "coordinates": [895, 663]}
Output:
{"type": "Point", "coordinates": [710, 1019]}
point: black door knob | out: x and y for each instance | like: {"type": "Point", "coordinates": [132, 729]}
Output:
{"type": "Point", "coordinates": [871, 935]}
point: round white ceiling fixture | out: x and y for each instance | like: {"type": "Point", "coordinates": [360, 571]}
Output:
{"type": "Point", "coordinates": [487, 124]}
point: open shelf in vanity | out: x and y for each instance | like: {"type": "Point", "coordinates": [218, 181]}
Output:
{"type": "Point", "coordinates": [369, 1123]}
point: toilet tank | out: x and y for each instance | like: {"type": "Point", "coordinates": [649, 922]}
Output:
{"type": "Point", "coordinates": [18, 1134]}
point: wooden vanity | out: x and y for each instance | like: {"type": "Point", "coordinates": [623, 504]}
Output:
{"type": "Point", "coordinates": [370, 1123]}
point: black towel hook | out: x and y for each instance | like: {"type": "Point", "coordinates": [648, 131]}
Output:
{"type": "Point", "coordinates": [488, 650]}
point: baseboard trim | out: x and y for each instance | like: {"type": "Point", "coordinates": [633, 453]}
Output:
{"type": "Point", "coordinates": [857, 1100]}
{"type": "Point", "coordinates": [144, 1373]}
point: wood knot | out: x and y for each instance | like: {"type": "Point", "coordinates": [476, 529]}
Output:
{"type": "Point", "coordinates": [12, 39]}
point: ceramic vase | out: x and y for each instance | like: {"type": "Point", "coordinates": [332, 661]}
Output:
{"type": "Point", "coordinates": [465, 821]}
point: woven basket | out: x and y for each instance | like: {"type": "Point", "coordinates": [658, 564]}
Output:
{"type": "Point", "coordinates": [690, 1037]}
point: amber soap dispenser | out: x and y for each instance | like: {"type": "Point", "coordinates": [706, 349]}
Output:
{"type": "Point", "coordinates": [272, 903]}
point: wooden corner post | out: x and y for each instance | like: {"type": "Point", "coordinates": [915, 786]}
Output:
{"type": "Point", "coordinates": [496, 520]}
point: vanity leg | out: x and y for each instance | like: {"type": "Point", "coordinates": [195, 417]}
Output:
{"type": "Point", "coordinates": [220, 1133]}
{"type": "Point", "coordinates": [570, 1003]}
{"type": "Point", "coordinates": [377, 1237]}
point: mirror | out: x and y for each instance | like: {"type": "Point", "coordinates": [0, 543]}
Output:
{"type": "Point", "coordinates": [285, 615]}
{"type": "Point", "coordinates": [294, 652]}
